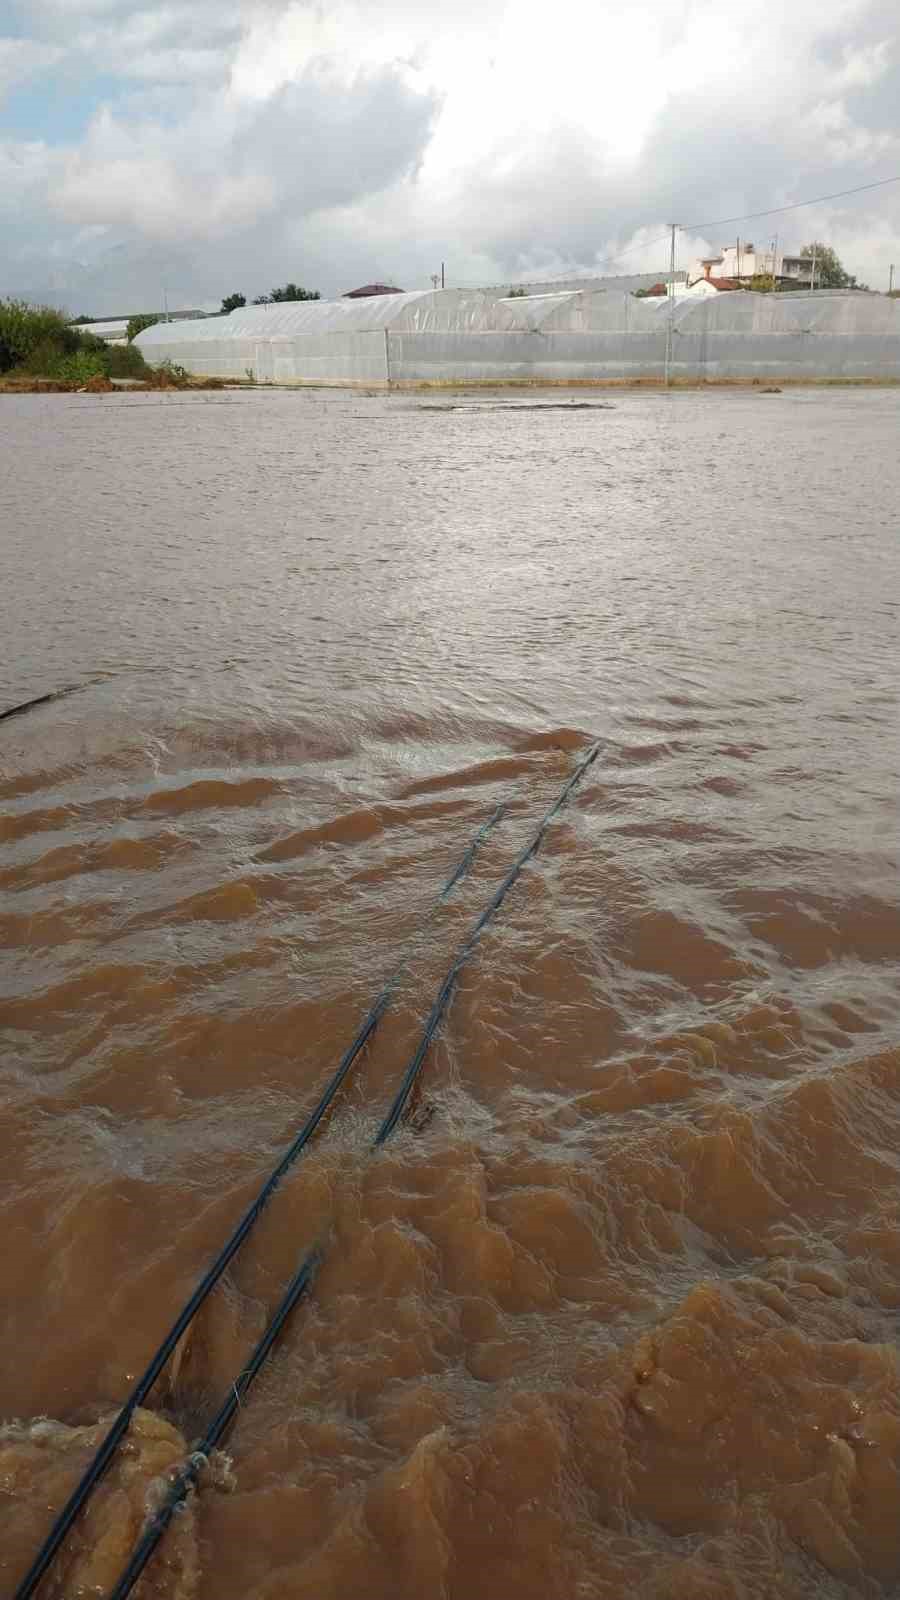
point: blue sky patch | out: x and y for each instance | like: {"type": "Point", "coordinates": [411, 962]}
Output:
{"type": "Point", "coordinates": [54, 107]}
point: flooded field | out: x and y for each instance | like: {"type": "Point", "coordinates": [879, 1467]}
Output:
{"type": "Point", "coordinates": [617, 1311]}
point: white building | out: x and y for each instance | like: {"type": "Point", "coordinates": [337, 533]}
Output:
{"type": "Point", "coordinates": [742, 261]}
{"type": "Point", "coordinates": [115, 332]}
{"type": "Point", "coordinates": [700, 289]}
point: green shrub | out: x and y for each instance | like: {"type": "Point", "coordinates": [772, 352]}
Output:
{"type": "Point", "coordinates": [77, 366]}
{"type": "Point", "coordinates": [41, 342]}
{"type": "Point", "coordinates": [137, 325]}
{"type": "Point", "coordinates": [44, 359]}
{"type": "Point", "coordinates": [82, 366]}
{"type": "Point", "coordinates": [48, 362]}
{"type": "Point", "coordinates": [168, 375]}
{"type": "Point", "coordinates": [125, 361]}
{"type": "Point", "coordinates": [23, 328]}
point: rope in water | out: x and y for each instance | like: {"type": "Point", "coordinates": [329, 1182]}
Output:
{"type": "Point", "coordinates": [119, 1427]}
{"type": "Point", "coordinates": [188, 1476]}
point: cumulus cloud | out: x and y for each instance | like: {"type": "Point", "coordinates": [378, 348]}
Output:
{"type": "Point", "coordinates": [252, 140]}
{"type": "Point", "coordinates": [316, 142]}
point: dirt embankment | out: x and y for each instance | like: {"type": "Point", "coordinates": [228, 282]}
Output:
{"type": "Point", "coordinates": [24, 383]}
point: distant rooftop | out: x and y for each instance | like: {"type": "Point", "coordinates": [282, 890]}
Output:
{"type": "Point", "coordinates": [371, 289]}
{"type": "Point", "coordinates": [625, 283]}
{"type": "Point", "coordinates": [125, 316]}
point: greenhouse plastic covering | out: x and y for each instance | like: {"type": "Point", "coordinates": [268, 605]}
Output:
{"type": "Point", "coordinates": [452, 336]}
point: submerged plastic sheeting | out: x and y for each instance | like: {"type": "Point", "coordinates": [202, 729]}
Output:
{"type": "Point", "coordinates": [453, 336]}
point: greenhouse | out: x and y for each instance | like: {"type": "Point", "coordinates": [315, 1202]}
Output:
{"type": "Point", "coordinates": [455, 336]}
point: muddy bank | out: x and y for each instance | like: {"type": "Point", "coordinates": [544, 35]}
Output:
{"type": "Point", "coordinates": [11, 384]}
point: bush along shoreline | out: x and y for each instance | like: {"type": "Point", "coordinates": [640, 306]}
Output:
{"type": "Point", "coordinates": [40, 351]}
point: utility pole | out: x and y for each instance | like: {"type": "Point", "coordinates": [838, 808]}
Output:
{"type": "Point", "coordinates": [166, 303]}
{"type": "Point", "coordinates": [442, 274]}
{"type": "Point", "coordinates": [674, 227]}
{"type": "Point", "coordinates": [775, 265]}
{"type": "Point", "coordinates": [891, 279]}
{"type": "Point", "coordinates": [812, 281]}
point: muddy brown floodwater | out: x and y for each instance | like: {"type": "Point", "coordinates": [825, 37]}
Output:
{"type": "Point", "coordinates": [619, 1314]}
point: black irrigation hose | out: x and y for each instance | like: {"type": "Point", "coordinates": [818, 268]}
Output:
{"type": "Point", "coordinates": [449, 984]}
{"type": "Point", "coordinates": [119, 1427]}
{"type": "Point", "coordinates": [42, 700]}
{"type": "Point", "coordinates": [187, 1478]}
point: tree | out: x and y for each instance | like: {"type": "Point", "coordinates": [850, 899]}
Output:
{"type": "Point", "coordinates": [137, 325]}
{"type": "Point", "coordinates": [263, 300]}
{"type": "Point", "coordinates": [518, 294]}
{"type": "Point", "coordinates": [233, 302]}
{"type": "Point", "coordinates": [830, 273]}
{"type": "Point", "coordinates": [292, 291]}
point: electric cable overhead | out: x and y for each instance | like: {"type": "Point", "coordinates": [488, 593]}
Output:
{"type": "Point", "coordinates": [721, 222]}
{"type": "Point", "coordinates": [797, 205]}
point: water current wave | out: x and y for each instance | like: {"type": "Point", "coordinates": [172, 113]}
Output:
{"type": "Point", "coordinates": [618, 1310]}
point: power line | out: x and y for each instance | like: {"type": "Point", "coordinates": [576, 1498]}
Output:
{"type": "Point", "coordinates": [749, 216]}
{"type": "Point", "coordinates": [606, 260]}
{"type": "Point", "coordinates": [721, 222]}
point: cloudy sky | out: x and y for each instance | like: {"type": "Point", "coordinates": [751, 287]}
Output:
{"type": "Point", "coordinates": [205, 146]}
